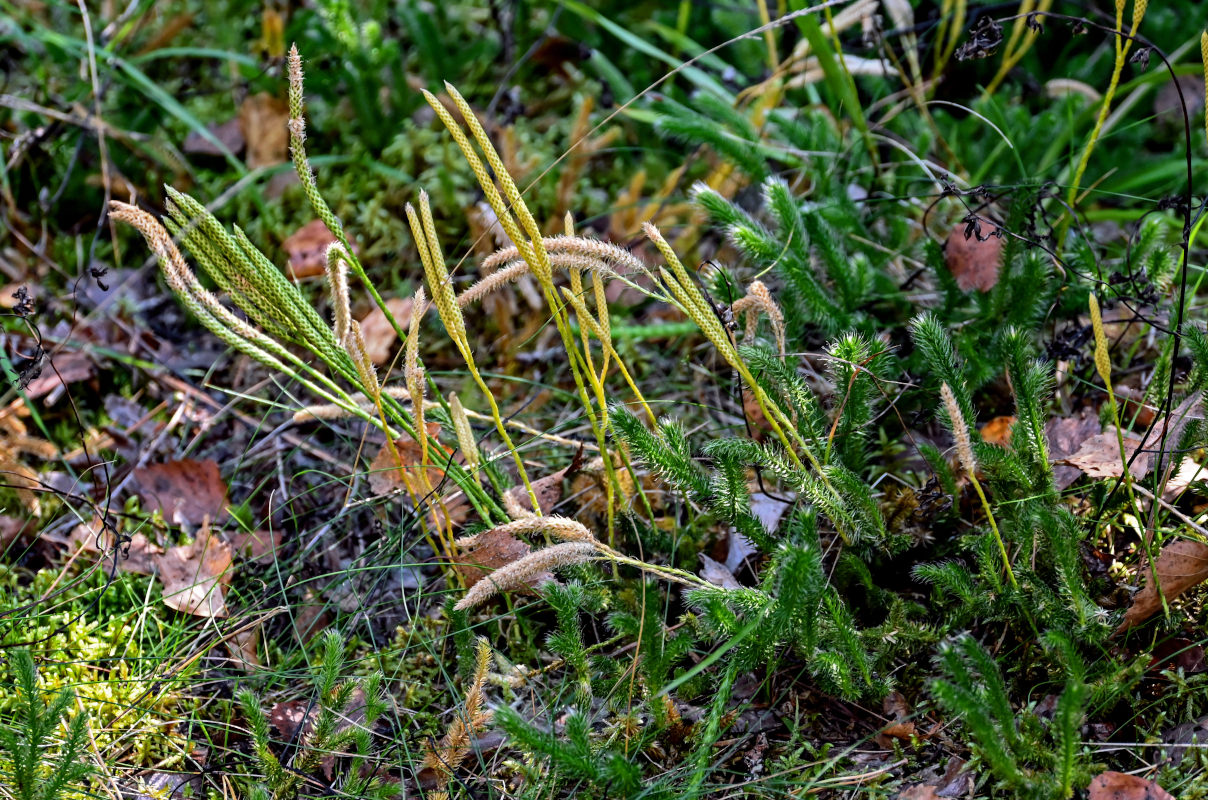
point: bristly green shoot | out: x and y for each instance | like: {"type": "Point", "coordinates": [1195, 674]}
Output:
{"type": "Point", "coordinates": [36, 729]}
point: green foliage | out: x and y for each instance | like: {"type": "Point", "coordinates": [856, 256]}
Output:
{"type": "Point", "coordinates": [101, 641]}
{"type": "Point", "coordinates": [1026, 759]}
{"type": "Point", "coordinates": [345, 712]}
{"type": "Point", "coordinates": [33, 732]}
{"type": "Point", "coordinates": [574, 758]}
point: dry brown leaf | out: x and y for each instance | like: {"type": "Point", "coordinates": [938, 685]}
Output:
{"type": "Point", "coordinates": [923, 791]}
{"type": "Point", "coordinates": [229, 133]}
{"type": "Point", "coordinates": [1183, 739]}
{"type": "Point", "coordinates": [307, 249]}
{"type": "Point", "coordinates": [1065, 435]}
{"type": "Point", "coordinates": [491, 550]}
{"type": "Point", "coordinates": [760, 427]}
{"type": "Point", "coordinates": [974, 263]}
{"type": "Point", "coordinates": [386, 474]}
{"type": "Point", "coordinates": [64, 369]}
{"type": "Point", "coordinates": [194, 576]}
{"type": "Point", "coordinates": [11, 529]}
{"type": "Point", "coordinates": [1099, 456]}
{"type": "Point", "coordinates": [998, 431]}
{"type": "Point", "coordinates": [310, 616]}
{"type": "Point", "coordinates": [1181, 565]}
{"type": "Point", "coordinates": [717, 573]}
{"type": "Point", "coordinates": [1121, 786]}
{"type": "Point", "coordinates": [547, 489]}
{"type": "Point", "coordinates": [185, 491]}
{"type": "Point", "coordinates": [897, 708]}
{"type": "Point", "coordinates": [289, 717]}
{"type": "Point", "coordinates": [244, 647]}
{"type": "Point", "coordinates": [138, 556]}
{"type": "Point", "coordinates": [1189, 472]}
{"type": "Point", "coordinates": [264, 121]}
{"type": "Point", "coordinates": [293, 723]}
{"type": "Point", "coordinates": [379, 334]}
{"type": "Point", "coordinates": [256, 545]}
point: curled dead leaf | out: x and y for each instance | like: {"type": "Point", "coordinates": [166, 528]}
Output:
{"type": "Point", "coordinates": [1181, 565]}
{"type": "Point", "coordinates": [307, 250]}
{"type": "Point", "coordinates": [185, 491]}
{"type": "Point", "coordinates": [973, 262]}
{"type": "Point", "coordinates": [195, 575]}
{"type": "Point", "coordinates": [1121, 786]}
{"type": "Point", "coordinates": [379, 334]}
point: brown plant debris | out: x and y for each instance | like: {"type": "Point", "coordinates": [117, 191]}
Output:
{"type": "Point", "coordinates": [442, 761]}
{"type": "Point", "coordinates": [307, 250]}
{"type": "Point", "coordinates": [262, 120]}
{"type": "Point", "coordinates": [489, 551]}
{"type": "Point", "coordinates": [1099, 456]}
{"type": "Point", "coordinates": [520, 574]}
{"type": "Point", "coordinates": [1121, 786]}
{"type": "Point", "coordinates": [974, 260]}
{"type": "Point", "coordinates": [1181, 565]}
{"type": "Point", "coordinates": [195, 575]}
{"type": "Point", "coordinates": [379, 334]}
{"type": "Point", "coordinates": [548, 490]}
{"type": "Point", "coordinates": [185, 491]}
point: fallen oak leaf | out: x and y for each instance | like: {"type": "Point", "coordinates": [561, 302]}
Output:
{"type": "Point", "coordinates": [186, 491]}
{"type": "Point", "coordinates": [1121, 786]}
{"type": "Point", "coordinates": [307, 250]}
{"type": "Point", "coordinates": [1099, 456]}
{"type": "Point", "coordinates": [194, 576]}
{"type": "Point", "coordinates": [1181, 565]}
{"type": "Point", "coordinates": [379, 334]}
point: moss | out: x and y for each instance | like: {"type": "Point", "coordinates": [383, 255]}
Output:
{"type": "Point", "coordinates": [414, 674]}
{"type": "Point", "coordinates": [98, 641]}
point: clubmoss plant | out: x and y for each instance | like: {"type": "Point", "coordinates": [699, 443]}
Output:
{"type": "Point", "coordinates": [1027, 760]}
{"type": "Point", "coordinates": [345, 712]}
{"type": "Point", "coordinates": [35, 730]}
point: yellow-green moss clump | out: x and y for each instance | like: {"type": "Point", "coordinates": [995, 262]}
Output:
{"type": "Point", "coordinates": [103, 647]}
